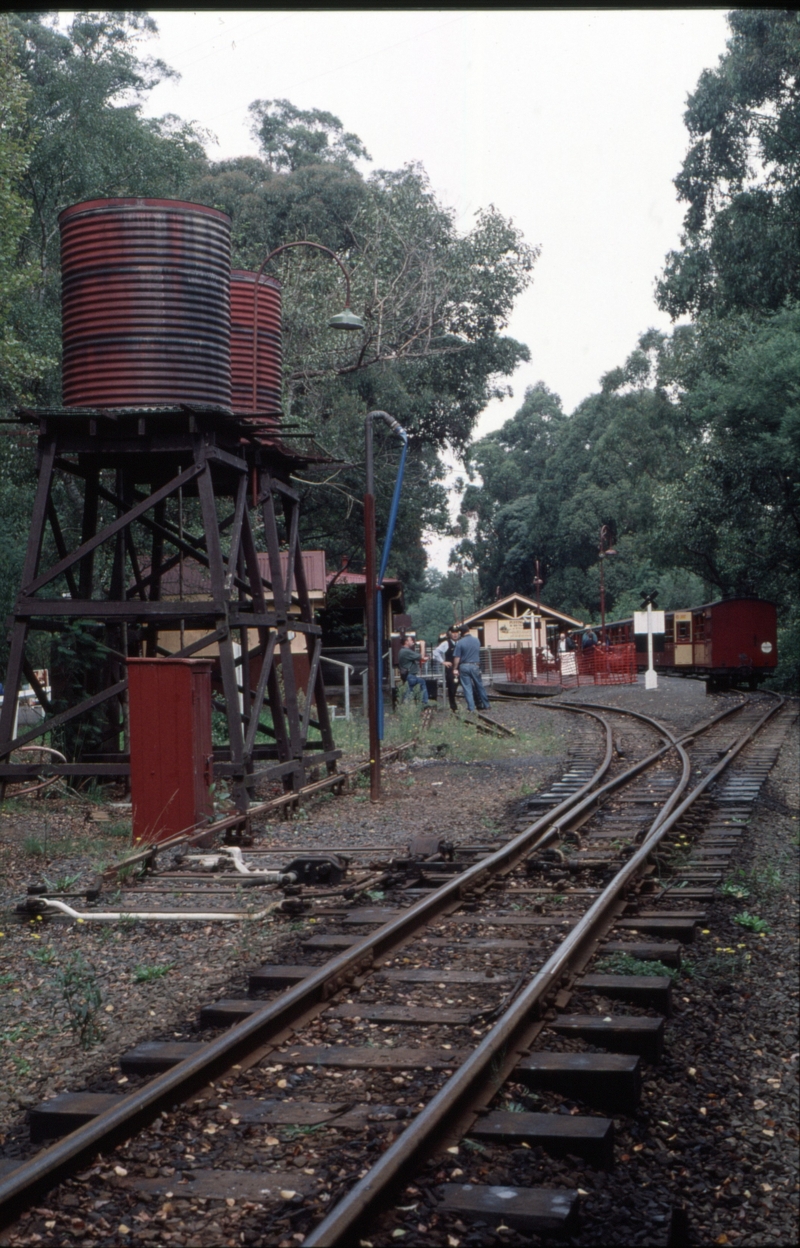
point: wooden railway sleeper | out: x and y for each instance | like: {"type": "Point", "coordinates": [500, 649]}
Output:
{"type": "Point", "coordinates": [451, 1112]}
{"type": "Point", "coordinates": [235, 1047]}
{"type": "Point", "coordinates": [21, 1187]}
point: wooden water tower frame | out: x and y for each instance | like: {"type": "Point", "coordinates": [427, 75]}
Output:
{"type": "Point", "coordinates": [125, 465]}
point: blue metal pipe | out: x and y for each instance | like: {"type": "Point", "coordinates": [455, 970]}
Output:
{"type": "Point", "coordinates": [387, 546]}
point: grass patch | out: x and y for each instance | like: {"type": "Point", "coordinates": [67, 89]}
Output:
{"type": "Point", "coordinates": [116, 831]}
{"type": "Point", "coordinates": [724, 964]}
{"type": "Point", "coordinates": [766, 880]}
{"type": "Point", "coordinates": [63, 883]}
{"type": "Point", "coordinates": [298, 1133]}
{"type": "Point", "coordinates": [761, 881]}
{"type": "Point", "coordinates": [442, 735]}
{"type": "Point", "coordinates": [625, 964]}
{"type": "Point", "coordinates": [146, 974]}
{"type": "Point", "coordinates": [14, 806]}
{"type": "Point", "coordinates": [83, 999]}
{"type": "Point", "coordinates": [43, 954]}
{"type": "Point", "coordinates": [130, 871]}
{"type": "Point", "coordinates": [736, 890]}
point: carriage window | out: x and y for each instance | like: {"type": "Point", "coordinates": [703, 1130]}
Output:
{"type": "Point", "coordinates": [683, 630]}
{"type": "Point", "coordinates": [699, 627]}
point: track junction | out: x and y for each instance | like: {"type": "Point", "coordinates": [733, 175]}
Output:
{"type": "Point", "coordinates": [490, 979]}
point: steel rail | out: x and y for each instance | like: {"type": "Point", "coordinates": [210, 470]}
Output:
{"type": "Point", "coordinates": [674, 742]}
{"type": "Point", "coordinates": [702, 727]}
{"type": "Point", "coordinates": [344, 1223]}
{"type": "Point", "coordinates": [22, 1186]}
{"type": "Point", "coordinates": [194, 833]}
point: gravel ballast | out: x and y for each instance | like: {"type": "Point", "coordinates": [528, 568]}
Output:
{"type": "Point", "coordinates": [717, 1128]}
{"type": "Point", "coordinates": [152, 978]}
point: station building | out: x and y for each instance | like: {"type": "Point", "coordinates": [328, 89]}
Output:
{"type": "Point", "coordinates": [516, 623]}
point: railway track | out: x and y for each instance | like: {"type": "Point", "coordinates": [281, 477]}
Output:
{"type": "Point", "coordinates": [393, 1035]}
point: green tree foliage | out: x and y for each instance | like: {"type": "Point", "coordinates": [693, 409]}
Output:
{"type": "Point", "coordinates": [291, 137]}
{"type": "Point", "coordinates": [85, 87]}
{"type": "Point", "coordinates": [444, 600]}
{"type": "Point", "coordinates": [70, 128]}
{"type": "Point", "coordinates": [435, 304]}
{"type": "Point", "coordinates": [19, 366]}
{"type": "Point", "coordinates": [550, 481]}
{"type": "Point", "coordinates": [733, 516]}
{"type": "Point", "coordinates": [690, 452]}
{"type": "Point", "coordinates": [741, 177]}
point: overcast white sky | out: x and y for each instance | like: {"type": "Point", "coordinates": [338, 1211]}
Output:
{"type": "Point", "coordinates": [569, 122]}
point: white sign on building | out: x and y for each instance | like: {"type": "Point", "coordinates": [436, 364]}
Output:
{"type": "Point", "coordinates": [514, 630]}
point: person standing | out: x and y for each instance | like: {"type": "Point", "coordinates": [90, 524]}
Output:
{"type": "Point", "coordinates": [444, 653]}
{"type": "Point", "coordinates": [589, 640]}
{"type": "Point", "coordinates": [408, 663]}
{"type": "Point", "coordinates": [467, 665]}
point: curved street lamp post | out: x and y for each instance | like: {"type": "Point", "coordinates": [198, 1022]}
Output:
{"type": "Point", "coordinates": [346, 319]}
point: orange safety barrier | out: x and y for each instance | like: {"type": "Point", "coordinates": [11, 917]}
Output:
{"type": "Point", "coordinates": [609, 665]}
{"type": "Point", "coordinates": [601, 665]}
{"type": "Point", "coordinates": [518, 666]}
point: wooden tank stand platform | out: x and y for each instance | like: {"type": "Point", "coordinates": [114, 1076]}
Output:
{"type": "Point", "coordinates": [125, 496]}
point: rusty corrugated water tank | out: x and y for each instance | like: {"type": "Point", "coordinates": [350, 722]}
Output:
{"type": "Point", "coordinates": [145, 300]}
{"type": "Point", "coordinates": [269, 343]}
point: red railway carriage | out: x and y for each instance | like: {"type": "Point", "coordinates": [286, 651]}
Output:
{"type": "Point", "coordinates": [727, 643]}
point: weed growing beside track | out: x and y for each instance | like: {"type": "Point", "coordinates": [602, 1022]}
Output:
{"type": "Point", "coordinates": [448, 738]}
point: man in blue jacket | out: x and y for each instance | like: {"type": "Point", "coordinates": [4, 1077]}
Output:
{"type": "Point", "coordinates": [467, 663]}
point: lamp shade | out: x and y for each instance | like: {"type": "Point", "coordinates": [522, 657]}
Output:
{"type": "Point", "coordinates": [346, 320]}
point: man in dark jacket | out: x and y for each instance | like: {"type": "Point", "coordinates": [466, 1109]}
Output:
{"type": "Point", "coordinates": [444, 653]}
{"type": "Point", "coordinates": [408, 663]}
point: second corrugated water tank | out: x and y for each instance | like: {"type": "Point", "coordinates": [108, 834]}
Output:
{"type": "Point", "coordinates": [269, 363]}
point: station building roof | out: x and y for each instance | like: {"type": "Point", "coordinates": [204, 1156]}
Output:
{"type": "Point", "coordinates": [514, 605]}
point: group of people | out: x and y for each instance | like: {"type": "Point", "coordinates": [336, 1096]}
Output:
{"type": "Point", "coordinates": [588, 641]}
{"type": "Point", "coordinates": [460, 654]}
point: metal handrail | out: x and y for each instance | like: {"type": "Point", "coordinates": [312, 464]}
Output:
{"type": "Point", "coordinates": [323, 658]}
{"type": "Point", "coordinates": [349, 671]}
